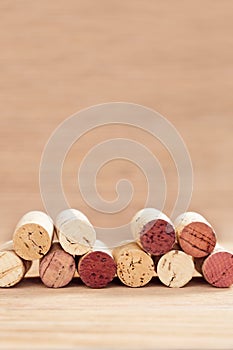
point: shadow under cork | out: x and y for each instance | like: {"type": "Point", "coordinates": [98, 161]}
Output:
{"type": "Point", "coordinates": [155, 284]}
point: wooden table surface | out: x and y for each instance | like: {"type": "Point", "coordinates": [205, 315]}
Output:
{"type": "Point", "coordinates": [155, 317]}
{"type": "Point", "coordinates": [58, 57]}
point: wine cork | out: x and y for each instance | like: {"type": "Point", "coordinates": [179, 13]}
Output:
{"type": "Point", "coordinates": [135, 268]}
{"type": "Point", "coordinates": [75, 232]}
{"type": "Point", "coordinates": [33, 235]}
{"type": "Point", "coordinates": [97, 268]}
{"type": "Point", "coordinates": [153, 231]}
{"type": "Point", "coordinates": [57, 267]}
{"type": "Point", "coordinates": [12, 267]}
{"type": "Point", "coordinates": [217, 268]}
{"type": "Point", "coordinates": [195, 235]}
{"type": "Point", "coordinates": [175, 269]}
{"type": "Point", "coordinates": [198, 262]}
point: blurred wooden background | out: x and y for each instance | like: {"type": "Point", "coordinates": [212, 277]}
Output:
{"type": "Point", "coordinates": [173, 56]}
{"type": "Point", "coordinates": [57, 57]}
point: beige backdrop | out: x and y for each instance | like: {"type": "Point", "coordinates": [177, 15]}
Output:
{"type": "Point", "coordinates": [60, 56]}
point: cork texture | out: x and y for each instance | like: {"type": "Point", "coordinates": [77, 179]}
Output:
{"type": "Point", "coordinates": [12, 269]}
{"type": "Point", "coordinates": [153, 231]}
{"type": "Point", "coordinates": [31, 241]}
{"type": "Point", "coordinates": [217, 269]}
{"type": "Point", "coordinates": [135, 268]}
{"type": "Point", "coordinates": [96, 269]}
{"type": "Point", "coordinates": [197, 239]}
{"type": "Point", "coordinates": [33, 235]}
{"type": "Point", "coordinates": [175, 269]}
{"type": "Point", "coordinates": [157, 237]}
{"type": "Point", "coordinates": [75, 232]}
{"type": "Point", "coordinates": [72, 247]}
{"type": "Point", "coordinates": [195, 235]}
{"type": "Point", "coordinates": [57, 268]}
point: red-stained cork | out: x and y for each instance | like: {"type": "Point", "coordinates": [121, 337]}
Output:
{"type": "Point", "coordinates": [157, 237]}
{"type": "Point", "coordinates": [195, 235]}
{"type": "Point", "coordinates": [197, 239]}
{"type": "Point", "coordinates": [57, 267]}
{"type": "Point", "coordinates": [96, 269]}
{"type": "Point", "coordinates": [217, 269]}
{"type": "Point", "coordinates": [153, 231]}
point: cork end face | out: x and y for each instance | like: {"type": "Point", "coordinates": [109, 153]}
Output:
{"type": "Point", "coordinates": [97, 269]}
{"type": "Point", "coordinates": [12, 269]}
{"type": "Point", "coordinates": [135, 268]}
{"type": "Point", "coordinates": [79, 231]}
{"type": "Point", "coordinates": [72, 247]}
{"type": "Point", "coordinates": [175, 269]}
{"type": "Point", "coordinates": [197, 239]}
{"type": "Point", "coordinates": [57, 269]}
{"type": "Point", "coordinates": [31, 241]}
{"type": "Point", "coordinates": [157, 237]}
{"type": "Point", "coordinates": [218, 269]}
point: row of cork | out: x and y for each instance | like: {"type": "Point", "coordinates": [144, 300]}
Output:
{"type": "Point", "coordinates": [67, 248]}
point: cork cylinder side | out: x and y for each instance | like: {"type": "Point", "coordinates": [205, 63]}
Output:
{"type": "Point", "coordinates": [75, 232]}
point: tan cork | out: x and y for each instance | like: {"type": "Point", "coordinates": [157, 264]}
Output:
{"type": "Point", "coordinates": [12, 267]}
{"type": "Point", "coordinates": [135, 268]}
{"type": "Point", "coordinates": [33, 235]}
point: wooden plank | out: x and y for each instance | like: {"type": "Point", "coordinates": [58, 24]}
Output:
{"type": "Point", "coordinates": [196, 316]}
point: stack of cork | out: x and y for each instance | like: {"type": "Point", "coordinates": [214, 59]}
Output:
{"type": "Point", "coordinates": [173, 252]}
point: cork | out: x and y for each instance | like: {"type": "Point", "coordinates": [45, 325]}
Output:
{"type": "Point", "coordinates": [135, 268]}
{"type": "Point", "coordinates": [12, 267]}
{"type": "Point", "coordinates": [217, 268]}
{"type": "Point", "coordinates": [195, 235]}
{"type": "Point", "coordinates": [97, 268]}
{"type": "Point", "coordinates": [57, 268]}
{"type": "Point", "coordinates": [33, 235]}
{"type": "Point", "coordinates": [175, 269]}
{"type": "Point", "coordinates": [75, 232]}
{"type": "Point", "coordinates": [153, 231]}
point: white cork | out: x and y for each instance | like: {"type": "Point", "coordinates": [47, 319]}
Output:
{"type": "Point", "coordinates": [33, 235]}
{"type": "Point", "coordinates": [100, 246]}
{"type": "Point", "coordinates": [12, 267]}
{"type": "Point", "coordinates": [175, 269]}
{"type": "Point", "coordinates": [143, 217]}
{"type": "Point", "coordinates": [75, 232]}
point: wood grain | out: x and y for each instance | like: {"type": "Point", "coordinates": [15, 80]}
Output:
{"type": "Point", "coordinates": [116, 317]}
